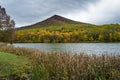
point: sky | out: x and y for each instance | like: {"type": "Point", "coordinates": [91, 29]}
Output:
{"type": "Point", "coordinates": [27, 12]}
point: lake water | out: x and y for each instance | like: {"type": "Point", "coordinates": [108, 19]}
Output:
{"type": "Point", "coordinates": [89, 48]}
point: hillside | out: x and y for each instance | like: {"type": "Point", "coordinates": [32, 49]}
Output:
{"type": "Point", "coordinates": [55, 20]}
{"type": "Point", "coordinates": [57, 29]}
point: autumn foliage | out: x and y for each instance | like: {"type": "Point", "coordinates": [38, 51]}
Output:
{"type": "Point", "coordinates": [70, 34]}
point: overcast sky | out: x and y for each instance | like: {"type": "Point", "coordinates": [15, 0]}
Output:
{"type": "Point", "coordinates": [26, 12]}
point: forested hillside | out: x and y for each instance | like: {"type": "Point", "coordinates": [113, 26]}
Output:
{"type": "Point", "coordinates": [58, 29]}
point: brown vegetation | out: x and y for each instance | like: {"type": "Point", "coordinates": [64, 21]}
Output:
{"type": "Point", "coordinates": [67, 66]}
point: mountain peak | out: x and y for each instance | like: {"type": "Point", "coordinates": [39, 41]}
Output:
{"type": "Point", "coordinates": [60, 19]}
{"type": "Point", "coordinates": [54, 20]}
{"type": "Point", "coordinates": [57, 17]}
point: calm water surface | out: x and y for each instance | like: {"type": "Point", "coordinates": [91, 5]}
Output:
{"type": "Point", "coordinates": [89, 48]}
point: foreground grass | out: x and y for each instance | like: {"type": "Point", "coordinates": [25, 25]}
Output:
{"type": "Point", "coordinates": [58, 66]}
{"type": "Point", "coordinates": [11, 64]}
{"type": "Point", "coordinates": [66, 66]}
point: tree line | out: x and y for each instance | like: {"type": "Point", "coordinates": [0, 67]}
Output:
{"type": "Point", "coordinates": [103, 33]}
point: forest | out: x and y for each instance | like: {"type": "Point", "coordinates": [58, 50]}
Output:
{"type": "Point", "coordinates": [70, 33]}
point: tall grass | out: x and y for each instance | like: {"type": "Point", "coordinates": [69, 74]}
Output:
{"type": "Point", "coordinates": [67, 66]}
{"type": "Point", "coordinates": [57, 66]}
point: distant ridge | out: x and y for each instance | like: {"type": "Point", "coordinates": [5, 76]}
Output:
{"type": "Point", "coordinates": [52, 21]}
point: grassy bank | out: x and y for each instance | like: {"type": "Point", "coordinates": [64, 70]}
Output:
{"type": "Point", "coordinates": [12, 65]}
{"type": "Point", "coordinates": [66, 66]}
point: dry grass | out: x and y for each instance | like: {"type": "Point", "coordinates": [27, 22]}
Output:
{"type": "Point", "coordinates": [66, 66]}
{"type": "Point", "coordinates": [57, 66]}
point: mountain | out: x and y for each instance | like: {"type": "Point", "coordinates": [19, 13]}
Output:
{"type": "Point", "coordinates": [59, 19]}
{"type": "Point", "coordinates": [57, 29]}
{"type": "Point", "coordinates": [55, 20]}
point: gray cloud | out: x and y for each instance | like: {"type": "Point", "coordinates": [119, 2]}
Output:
{"type": "Point", "coordinates": [103, 12]}
{"type": "Point", "coordinates": [26, 12]}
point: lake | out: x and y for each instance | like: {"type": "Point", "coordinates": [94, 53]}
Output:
{"type": "Point", "coordinates": [89, 48]}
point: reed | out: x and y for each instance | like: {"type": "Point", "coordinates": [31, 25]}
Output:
{"type": "Point", "coordinates": [67, 66]}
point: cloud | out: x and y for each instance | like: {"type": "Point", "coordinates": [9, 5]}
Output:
{"type": "Point", "coordinates": [106, 11]}
{"type": "Point", "coordinates": [26, 12]}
